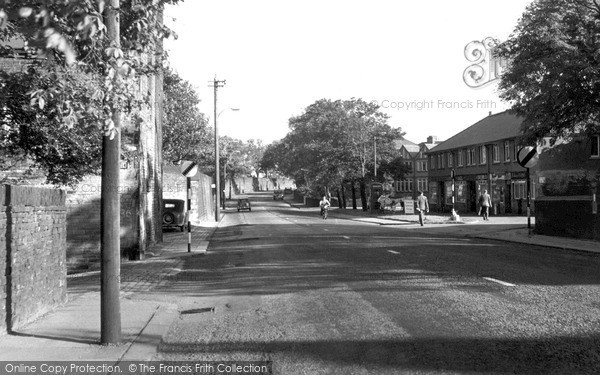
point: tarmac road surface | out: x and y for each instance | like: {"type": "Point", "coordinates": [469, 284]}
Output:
{"type": "Point", "coordinates": [345, 297]}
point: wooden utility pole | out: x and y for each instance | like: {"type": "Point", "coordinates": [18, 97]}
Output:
{"type": "Point", "coordinates": [110, 222]}
{"type": "Point", "coordinates": [216, 84]}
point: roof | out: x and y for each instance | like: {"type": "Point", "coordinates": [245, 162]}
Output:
{"type": "Point", "coordinates": [403, 142]}
{"type": "Point", "coordinates": [493, 128]}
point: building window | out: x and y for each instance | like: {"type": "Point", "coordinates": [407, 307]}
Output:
{"type": "Point", "coordinates": [424, 166]}
{"type": "Point", "coordinates": [422, 184]}
{"type": "Point", "coordinates": [440, 161]}
{"type": "Point", "coordinates": [470, 156]}
{"type": "Point", "coordinates": [496, 153]}
{"type": "Point", "coordinates": [520, 190]}
{"type": "Point", "coordinates": [460, 160]}
{"type": "Point", "coordinates": [596, 146]}
{"type": "Point", "coordinates": [515, 151]}
{"type": "Point", "coordinates": [409, 164]}
{"type": "Point", "coordinates": [432, 161]}
{"type": "Point", "coordinates": [405, 185]}
{"type": "Point", "coordinates": [482, 155]}
{"type": "Point", "coordinates": [450, 159]}
{"type": "Point", "coordinates": [506, 150]}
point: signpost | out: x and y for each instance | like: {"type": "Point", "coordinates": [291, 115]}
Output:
{"type": "Point", "coordinates": [189, 170]}
{"type": "Point", "coordinates": [528, 158]}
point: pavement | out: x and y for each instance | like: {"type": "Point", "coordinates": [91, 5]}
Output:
{"type": "Point", "coordinates": [72, 331]}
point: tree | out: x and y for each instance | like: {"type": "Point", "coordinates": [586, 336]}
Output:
{"type": "Point", "coordinates": [333, 142]}
{"type": "Point", "coordinates": [553, 77]}
{"type": "Point", "coordinates": [185, 128]}
{"type": "Point", "coordinates": [66, 148]}
{"type": "Point", "coordinates": [72, 38]}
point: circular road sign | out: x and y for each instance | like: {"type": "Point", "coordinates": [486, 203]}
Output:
{"type": "Point", "coordinates": [189, 168]}
{"type": "Point", "coordinates": [527, 157]}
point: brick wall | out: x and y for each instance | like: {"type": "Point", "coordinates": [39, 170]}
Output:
{"type": "Point", "coordinates": [3, 228]}
{"type": "Point", "coordinates": [34, 238]}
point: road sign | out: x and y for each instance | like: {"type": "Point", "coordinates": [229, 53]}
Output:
{"type": "Point", "coordinates": [527, 157]}
{"type": "Point", "coordinates": [189, 168]}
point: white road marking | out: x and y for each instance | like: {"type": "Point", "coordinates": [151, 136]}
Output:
{"type": "Point", "coordinates": [346, 237]}
{"type": "Point", "coordinates": [393, 252]}
{"type": "Point", "coordinates": [499, 281]}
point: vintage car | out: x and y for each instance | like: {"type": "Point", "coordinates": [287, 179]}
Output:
{"type": "Point", "coordinates": [277, 194]}
{"type": "Point", "coordinates": [244, 204]}
{"type": "Point", "coordinates": [174, 214]}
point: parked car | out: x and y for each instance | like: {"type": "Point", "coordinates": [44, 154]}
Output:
{"type": "Point", "coordinates": [174, 214]}
{"type": "Point", "coordinates": [287, 191]}
{"type": "Point", "coordinates": [277, 194]}
{"type": "Point", "coordinates": [244, 204]}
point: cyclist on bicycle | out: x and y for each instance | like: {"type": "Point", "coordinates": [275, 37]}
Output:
{"type": "Point", "coordinates": [324, 204]}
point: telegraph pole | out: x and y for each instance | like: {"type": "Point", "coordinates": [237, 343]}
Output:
{"type": "Point", "coordinates": [110, 223]}
{"type": "Point", "coordinates": [216, 84]}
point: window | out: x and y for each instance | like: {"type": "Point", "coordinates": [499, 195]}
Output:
{"type": "Point", "coordinates": [496, 153]}
{"type": "Point", "coordinates": [460, 158]}
{"type": "Point", "coordinates": [440, 161]}
{"type": "Point", "coordinates": [409, 164]}
{"type": "Point", "coordinates": [432, 161]}
{"type": "Point", "coordinates": [596, 146]}
{"type": "Point", "coordinates": [515, 151]}
{"type": "Point", "coordinates": [471, 156]}
{"type": "Point", "coordinates": [520, 190]}
{"type": "Point", "coordinates": [506, 150]}
{"type": "Point", "coordinates": [422, 184]}
{"type": "Point", "coordinates": [407, 184]}
{"type": "Point", "coordinates": [450, 159]}
{"type": "Point", "coordinates": [482, 155]}
{"type": "Point", "coordinates": [424, 169]}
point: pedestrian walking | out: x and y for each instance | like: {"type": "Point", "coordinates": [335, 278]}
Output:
{"type": "Point", "coordinates": [422, 207]}
{"type": "Point", "coordinates": [485, 201]}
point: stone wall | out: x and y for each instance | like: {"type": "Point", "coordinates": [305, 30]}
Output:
{"type": "Point", "coordinates": [32, 246]}
{"type": "Point", "coordinates": [83, 220]}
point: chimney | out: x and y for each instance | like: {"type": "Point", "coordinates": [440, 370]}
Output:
{"type": "Point", "coordinates": [432, 139]}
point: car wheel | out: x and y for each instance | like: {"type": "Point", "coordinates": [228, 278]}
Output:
{"type": "Point", "coordinates": [168, 218]}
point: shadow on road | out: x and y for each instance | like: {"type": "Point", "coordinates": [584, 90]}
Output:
{"type": "Point", "coordinates": [561, 355]}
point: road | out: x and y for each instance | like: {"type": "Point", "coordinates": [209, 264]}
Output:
{"type": "Point", "coordinates": [344, 297]}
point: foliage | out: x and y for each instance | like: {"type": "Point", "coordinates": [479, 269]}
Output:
{"type": "Point", "coordinates": [71, 37]}
{"type": "Point", "coordinates": [333, 141]}
{"type": "Point", "coordinates": [66, 146]}
{"type": "Point", "coordinates": [553, 80]}
{"type": "Point", "coordinates": [185, 128]}
{"type": "Point", "coordinates": [582, 183]}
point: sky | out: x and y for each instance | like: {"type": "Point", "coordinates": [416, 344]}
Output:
{"type": "Point", "coordinates": [278, 57]}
